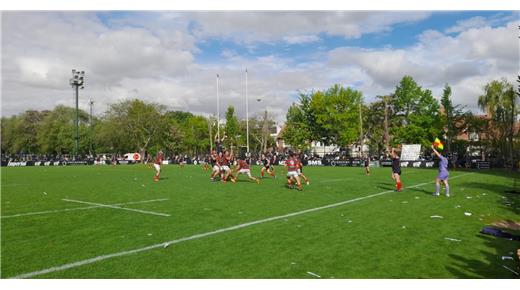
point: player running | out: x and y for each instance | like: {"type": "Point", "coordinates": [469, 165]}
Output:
{"type": "Point", "coordinates": [396, 170]}
{"type": "Point", "coordinates": [292, 172]}
{"type": "Point", "coordinates": [266, 166]}
{"type": "Point", "coordinates": [367, 165]}
{"type": "Point", "coordinates": [300, 170]}
{"type": "Point", "coordinates": [443, 174]}
{"type": "Point", "coordinates": [157, 165]}
{"type": "Point", "coordinates": [244, 168]}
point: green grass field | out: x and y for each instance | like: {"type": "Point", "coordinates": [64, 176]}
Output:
{"type": "Point", "coordinates": [378, 233]}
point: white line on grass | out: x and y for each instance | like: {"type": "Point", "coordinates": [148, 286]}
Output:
{"type": "Point", "coordinates": [116, 207]}
{"type": "Point", "coordinates": [197, 236]}
{"type": "Point", "coordinates": [77, 208]}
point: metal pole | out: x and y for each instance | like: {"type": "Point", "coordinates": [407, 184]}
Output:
{"type": "Point", "coordinates": [91, 103]}
{"type": "Point", "coordinates": [247, 117]}
{"type": "Point", "coordinates": [77, 125]}
{"type": "Point", "coordinates": [385, 98]}
{"type": "Point", "coordinates": [360, 131]}
{"type": "Point", "coordinates": [218, 112]}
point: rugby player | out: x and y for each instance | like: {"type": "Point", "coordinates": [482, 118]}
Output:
{"type": "Point", "coordinates": [396, 170]}
{"type": "Point", "coordinates": [266, 162]}
{"type": "Point", "coordinates": [244, 168]}
{"type": "Point", "coordinates": [157, 165]}
{"type": "Point", "coordinates": [214, 161]}
{"type": "Point", "coordinates": [300, 170]}
{"type": "Point", "coordinates": [225, 161]}
{"type": "Point", "coordinates": [292, 172]}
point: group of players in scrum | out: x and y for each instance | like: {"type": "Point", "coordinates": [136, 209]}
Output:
{"type": "Point", "coordinates": [220, 164]}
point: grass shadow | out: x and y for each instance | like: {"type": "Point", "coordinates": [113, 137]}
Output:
{"type": "Point", "coordinates": [492, 264]}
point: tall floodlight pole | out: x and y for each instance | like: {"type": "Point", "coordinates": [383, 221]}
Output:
{"type": "Point", "coordinates": [77, 81]}
{"type": "Point", "coordinates": [247, 117]}
{"type": "Point", "coordinates": [218, 112]}
{"type": "Point", "coordinates": [91, 104]}
{"type": "Point", "coordinates": [385, 98]}
{"type": "Point", "coordinates": [360, 131]}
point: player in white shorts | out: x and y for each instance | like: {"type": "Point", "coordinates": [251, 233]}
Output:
{"type": "Point", "coordinates": [243, 168]}
{"type": "Point", "coordinates": [157, 165]}
{"type": "Point", "coordinates": [292, 172]}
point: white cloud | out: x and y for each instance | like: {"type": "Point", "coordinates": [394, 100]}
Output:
{"type": "Point", "coordinates": [154, 57]}
{"type": "Point", "coordinates": [466, 61]}
{"type": "Point", "coordinates": [301, 39]}
{"type": "Point", "coordinates": [463, 25]}
{"type": "Point", "coordinates": [250, 27]}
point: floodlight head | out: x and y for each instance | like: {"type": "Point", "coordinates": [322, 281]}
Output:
{"type": "Point", "coordinates": [82, 72]}
{"type": "Point", "coordinates": [82, 87]}
{"type": "Point", "coordinates": [73, 71]}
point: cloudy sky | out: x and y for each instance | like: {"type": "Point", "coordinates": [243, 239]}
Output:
{"type": "Point", "coordinates": [172, 58]}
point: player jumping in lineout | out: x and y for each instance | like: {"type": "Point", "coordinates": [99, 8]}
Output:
{"type": "Point", "coordinates": [157, 165]}
{"type": "Point", "coordinates": [443, 174]}
{"type": "Point", "coordinates": [396, 170]}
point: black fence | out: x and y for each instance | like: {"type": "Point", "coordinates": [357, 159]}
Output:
{"type": "Point", "coordinates": [352, 162]}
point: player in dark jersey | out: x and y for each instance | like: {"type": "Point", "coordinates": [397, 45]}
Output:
{"type": "Point", "coordinates": [367, 165]}
{"type": "Point", "coordinates": [300, 170]}
{"type": "Point", "coordinates": [157, 165]}
{"type": "Point", "coordinates": [214, 161]}
{"type": "Point", "coordinates": [266, 165]}
{"type": "Point", "coordinates": [244, 168]}
{"type": "Point", "coordinates": [396, 170]}
{"type": "Point", "coordinates": [292, 172]}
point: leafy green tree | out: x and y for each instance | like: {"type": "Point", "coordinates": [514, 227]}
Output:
{"type": "Point", "coordinates": [231, 128]}
{"type": "Point", "coordinates": [451, 117]}
{"type": "Point", "coordinates": [8, 134]}
{"type": "Point", "coordinates": [373, 125]}
{"type": "Point", "coordinates": [416, 114]}
{"type": "Point", "coordinates": [499, 101]}
{"type": "Point", "coordinates": [56, 133]}
{"type": "Point", "coordinates": [136, 123]}
{"type": "Point", "coordinates": [296, 131]}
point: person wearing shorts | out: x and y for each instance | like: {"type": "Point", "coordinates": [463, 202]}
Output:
{"type": "Point", "coordinates": [157, 165]}
{"type": "Point", "coordinates": [225, 161]}
{"type": "Point", "coordinates": [367, 165]}
{"type": "Point", "coordinates": [244, 168]}
{"type": "Point", "coordinates": [396, 170]}
{"type": "Point", "coordinates": [292, 172]}
{"type": "Point", "coordinates": [266, 166]}
{"type": "Point", "coordinates": [443, 174]}
{"type": "Point", "coordinates": [214, 159]}
{"type": "Point", "coordinates": [300, 170]}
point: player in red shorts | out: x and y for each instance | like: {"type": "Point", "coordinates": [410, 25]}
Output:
{"type": "Point", "coordinates": [244, 168]}
{"type": "Point", "coordinates": [157, 165]}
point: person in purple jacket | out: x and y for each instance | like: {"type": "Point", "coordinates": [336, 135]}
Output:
{"type": "Point", "coordinates": [443, 174]}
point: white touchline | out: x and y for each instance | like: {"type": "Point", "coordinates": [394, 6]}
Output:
{"type": "Point", "coordinates": [197, 236]}
{"type": "Point", "coordinates": [78, 208]}
{"type": "Point", "coordinates": [116, 207]}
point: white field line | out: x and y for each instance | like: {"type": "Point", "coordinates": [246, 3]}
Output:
{"type": "Point", "coordinates": [117, 207]}
{"type": "Point", "coordinates": [77, 208]}
{"type": "Point", "coordinates": [198, 236]}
